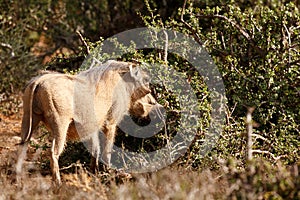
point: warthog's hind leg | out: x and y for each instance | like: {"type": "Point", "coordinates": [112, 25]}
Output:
{"type": "Point", "coordinates": [59, 139]}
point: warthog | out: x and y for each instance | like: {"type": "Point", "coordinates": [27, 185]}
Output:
{"type": "Point", "coordinates": [73, 106]}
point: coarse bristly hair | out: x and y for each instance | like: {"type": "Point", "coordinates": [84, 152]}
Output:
{"type": "Point", "coordinates": [94, 99]}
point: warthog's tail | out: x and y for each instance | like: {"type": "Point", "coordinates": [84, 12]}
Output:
{"type": "Point", "coordinates": [27, 106]}
{"type": "Point", "coordinates": [26, 125]}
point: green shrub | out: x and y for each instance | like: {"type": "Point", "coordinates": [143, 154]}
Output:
{"type": "Point", "coordinates": [255, 47]}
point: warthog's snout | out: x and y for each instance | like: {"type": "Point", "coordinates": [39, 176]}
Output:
{"type": "Point", "coordinates": [144, 106]}
{"type": "Point", "coordinates": [147, 111]}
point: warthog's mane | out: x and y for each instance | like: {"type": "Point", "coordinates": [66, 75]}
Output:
{"type": "Point", "coordinates": [97, 73]}
{"type": "Point", "coordinates": [111, 75]}
{"type": "Point", "coordinates": [94, 74]}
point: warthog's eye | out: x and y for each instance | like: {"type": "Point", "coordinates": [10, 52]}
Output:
{"type": "Point", "coordinates": [152, 103]}
{"type": "Point", "coordinates": [147, 85]}
{"type": "Point", "coordinates": [147, 80]}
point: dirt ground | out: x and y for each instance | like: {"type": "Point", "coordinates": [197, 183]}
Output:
{"type": "Point", "coordinates": [36, 181]}
{"type": "Point", "coordinates": [9, 138]}
{"type": "Point", "coordinates": [10, 129]}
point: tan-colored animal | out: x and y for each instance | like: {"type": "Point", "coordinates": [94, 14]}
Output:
{"type": "Point", "coordinates": [82, 105]}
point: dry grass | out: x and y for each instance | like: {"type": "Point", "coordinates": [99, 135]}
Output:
{"type": "Point", "coordinates": [266, 180]}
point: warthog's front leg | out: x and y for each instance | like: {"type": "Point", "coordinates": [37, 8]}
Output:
{"type": "Point", "coordinates": [107, 142]}
{"type": "Point", "coordinates": [95, 151]}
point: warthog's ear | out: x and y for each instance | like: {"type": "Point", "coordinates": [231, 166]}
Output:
{"type": "Point", "coordinates": [128, 67]}
{"type": "Point", "coordinates": [135, 72]}
{"type": "Point", "coordinates": [139, 75]}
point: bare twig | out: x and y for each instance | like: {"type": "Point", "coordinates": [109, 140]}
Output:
{"type": "Point", "coordinates": [229, 112]}
{"type": "Point", "coordinates": [166, 47]}
{"type": "Point", "coordinates": [269, 153]}
{"type": "Point", "coordinates": [95, 62]}
{"type": "Point", "coordinates": [289, 41]}
{"type": "Point", "coordinates": [223, 41]}
{"type": "Point", "coordinates": [83, 41]}
{"type": "Point", "coordinates": [259, 137]}
{"type": "Point", "coordinates": [249, 132]}
{"type": "Point", "coordinates": [70, 166]}
{"type": "Point", "coordinates": [8, 46]}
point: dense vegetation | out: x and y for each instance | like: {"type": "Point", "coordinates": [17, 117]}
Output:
{"type": "Point", "coordinates": [254, 44]}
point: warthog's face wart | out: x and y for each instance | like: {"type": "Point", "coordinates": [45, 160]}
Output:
{"type": "Point", "coordinates": [144, 106]}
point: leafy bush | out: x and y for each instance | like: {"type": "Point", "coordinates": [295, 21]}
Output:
{"type": "Point", "coordinates": [256, 49]}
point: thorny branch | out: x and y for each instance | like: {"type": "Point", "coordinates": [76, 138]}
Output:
{"type": "Point", "coordinates": [232, 22]}
{"type": "Point", "coordinates": [195, 34]}
{"type": "Point", "coordinates": [84, 42]}
{"type": "Point", "coordinates": [239, 28]}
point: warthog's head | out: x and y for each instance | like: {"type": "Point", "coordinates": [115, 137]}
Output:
{"type": "Point", "coordinates": [142, 102]}
{"type": "Point", "coordinates": [136, 84]}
